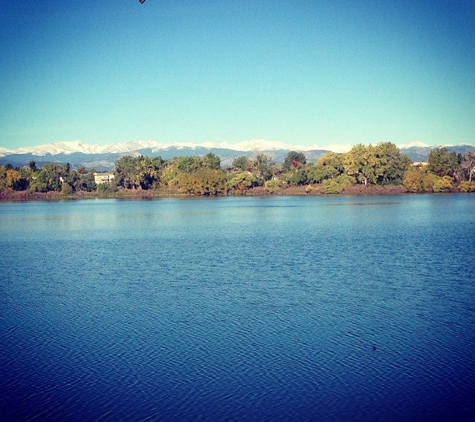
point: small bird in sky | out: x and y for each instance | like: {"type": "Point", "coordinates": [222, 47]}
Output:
{"type": "Point", "coordinates": [142, 1]}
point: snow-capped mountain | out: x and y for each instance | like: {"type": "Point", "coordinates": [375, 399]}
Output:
{"type": "Point", "coordinates": [261, 145]}
{"type": "Point", "coordinates": [257, 144]}
{"type": "Point", "coordinates": [57, 148]}
{"type": "Point", "coordinates": [70, 147]}
{"type": "Point", "coordinates": [127, 147]}
{"type": "Point", "coordinates": [4, 151]}
{"type": "Point", "coordinates": [103, 157]}
{"type": "Point", "coordinates": [415, 144]}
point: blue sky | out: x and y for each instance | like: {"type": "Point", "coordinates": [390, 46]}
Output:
{"type": "Point", "coordinates": [300, 72]}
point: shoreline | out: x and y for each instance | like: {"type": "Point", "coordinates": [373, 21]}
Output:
{"type": "Point", "coordinates": [8, 195]}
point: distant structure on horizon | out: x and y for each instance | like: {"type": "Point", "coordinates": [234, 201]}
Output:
{"type": "Point", "coordinates": [100, 178]}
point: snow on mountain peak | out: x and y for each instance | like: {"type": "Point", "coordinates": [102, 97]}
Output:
{"type": "Point", "coordinates": [258, 144]}
{"type": "Point", "coordinates": [69, 147]}
{"type": "Point", "coordinates": [4, 151]}
{"type": "Point", "coordinates": [417, 144]}
{"type": "Point", "coordinates": [65, 147]}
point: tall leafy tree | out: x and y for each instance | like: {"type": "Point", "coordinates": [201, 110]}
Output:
{"type": "Point", "coordinates": [187, 164]}
{"type": "Point", "coordinates": [389, 164]}
{"type": "Point", "coordinates": [12, 178]}
{"type": "Point", "coordinates": [382, 163]}
{"type": "Point", "coordinates": [296, 175]}
{"type": "Point", "coordinates": [85, 182]}
{"type": "Point", "coordinates": [149, 171]}
{"type": "Point", "coordinates": [328, 166]}
{"type": "Point", "coordinates": [211, 161]}
{"type": "Point", "coordinates": [359, 162]}
{"type": "Point", "coordinates": [241, 181]}
{"type": "Point", "coordinates": [203, 182]}
{"type": "Point", "coordinates": [125, 172]}
{"type": "Point", "coordinates": [242, 163]}
{"type": "Point", "coordinates": [262, 167]}
{"type": "Point", "coordinates": [444, 163]}
{"type": "Point", "coordinates": [293, 159]}
{"type": "Point", "coordinates": [48, 178]}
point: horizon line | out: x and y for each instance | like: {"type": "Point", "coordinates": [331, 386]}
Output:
{"type": "Point", "coordinates": [254, 144]}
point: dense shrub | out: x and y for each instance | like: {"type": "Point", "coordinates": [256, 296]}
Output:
{"type": "Point", "coordinates": [334, 186]}
{"type": "Point", "coordinates": [272, 186]}
{"type": "Point", "coordinates": [442, 184]}
{"type": "Point", "coordinates": [466, 186]}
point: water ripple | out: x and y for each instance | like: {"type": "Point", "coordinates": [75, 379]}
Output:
{"type": "Point", "coordinates": [268, 313]}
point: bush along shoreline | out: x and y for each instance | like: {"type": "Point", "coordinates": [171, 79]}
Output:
{"type": "Point", "coordinates": [364, 170]}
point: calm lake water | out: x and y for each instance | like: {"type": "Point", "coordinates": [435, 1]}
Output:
{"type": "Point", "coordinates": [238, 309]}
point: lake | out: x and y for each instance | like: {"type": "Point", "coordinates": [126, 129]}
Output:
{"type": "Point", "coordinates": [239, 309]}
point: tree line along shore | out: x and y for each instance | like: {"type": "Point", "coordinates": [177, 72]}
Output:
{"type": "Point", "coordinates": [365, 169]}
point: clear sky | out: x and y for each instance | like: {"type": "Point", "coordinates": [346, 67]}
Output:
{"type": "Point", "coordinates": [311, 73]}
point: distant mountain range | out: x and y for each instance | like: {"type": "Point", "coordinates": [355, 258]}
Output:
{"type": "Point", "coordinates": [421, 153]}
{"type": "Point", "coordinates": [104, 157]}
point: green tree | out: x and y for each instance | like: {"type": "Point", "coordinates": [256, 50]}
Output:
{"type": "Point", "coordinates": [138, 172]}
{"type": "Point", "coordinates": [467, 186]}
{"type": "Point", "coordinates": [272, 186]}
{"type": "Point", "coordinates": [242, 163]}
{"type": "Point", "coordinates": [389, 164]}
{"type": "Point", "coordinates": [12, 178]}
{"type": "Point", "coordinates": [412, 180]}
{"type": "Point", "coordinates": [262, 168]}
{"type": "Point", "coordinates": [381, 164]}
{"type": "Point", "coordinates": [26, 175]}
{"type": "Point", "coordinates": [126, 172]}
{"type": "Point", "coordinates": [187, 164]}
{"type": "Point", "coordinates": [444, 163]}
{"type": "Point", "coordinates": [149, 171]}
{"type": "Point", "coordinates": [66, 189]}
{"type": "Point", "coordinates": [211, 161]}
{"type": "Point", "coordinates": [296, 176]}
{"type": "Point", "coordinates": [48, 178]}
{"type": "Point", "coordinates": [104, 188]}
{"type": "Point", "coordinates": [418, 180]}
{"type": "Point", "coordinates": [336, 185]}
{"type": "Point", "coordinates": [203, 182]}
{"type": "Point", "coordinates": [293, 159]}
{"type": "Point", "coordinates": [328, 166]}
{"type": "Point", "coordinates": [442, 184]}
{"type": "Point", "coordinates": [16, 179]}
{"type": "Point", "coordinates": [359, 163]}
{"type": "Point", "coordinates": [241, 181]}
{"type": "Point", "coordinates": [3, 177]}
{"type": "Point", "coordinates": [85, 182]}
{"type": "Point", "coordinates": [202, 171]}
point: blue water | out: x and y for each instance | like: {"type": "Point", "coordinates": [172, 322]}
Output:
{"type": "Point", "coordinates": [238, 309]}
